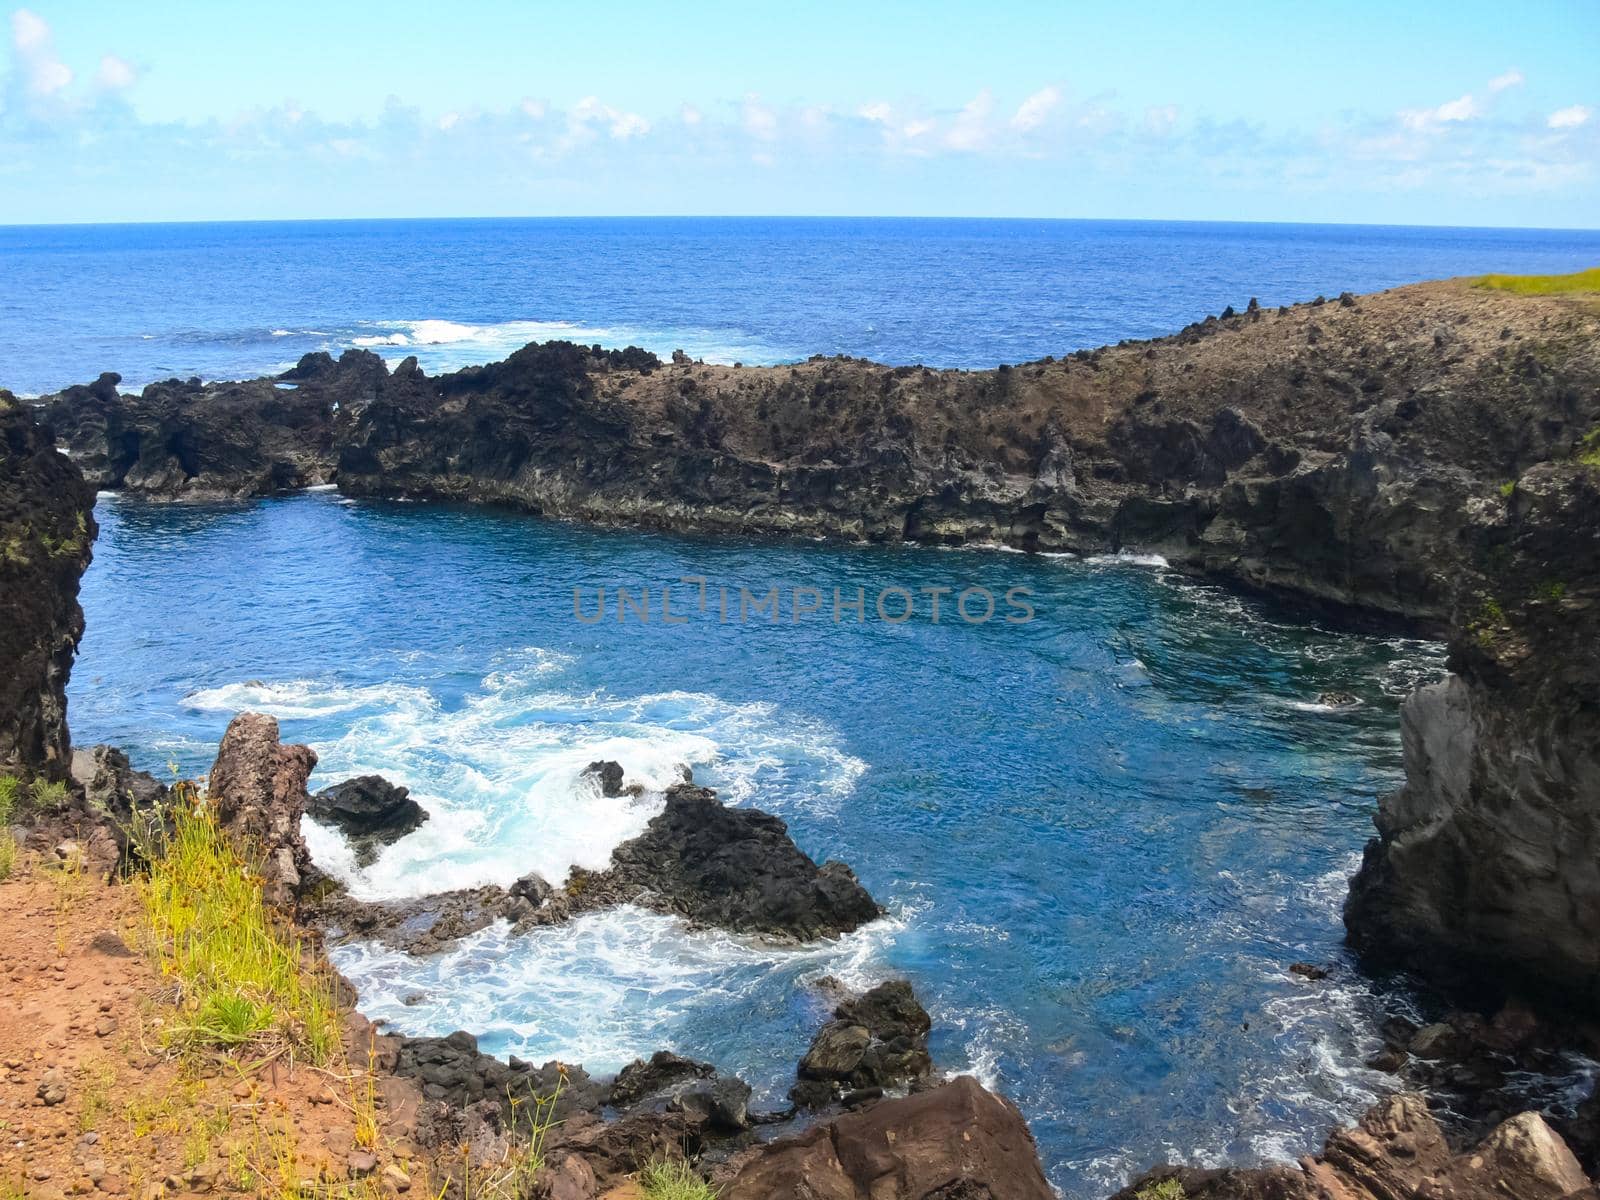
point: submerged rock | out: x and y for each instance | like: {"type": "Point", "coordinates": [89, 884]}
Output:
{"type": "Point", "coordinates": [370, 811]}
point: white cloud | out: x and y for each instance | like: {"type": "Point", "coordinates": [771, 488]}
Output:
{"type": "Point", "coordinates": [878, 111]}
{"type": "Point", "coordinates": [690, 115]}
{"type": "Point", "coordinates": [970, 130]}
{"type": "Point", "coordinates": [1161, 118]}
{"type": "Point", "coordinates": [1033, 111]}
{"type": "Point", "coordinates": [449, 121]}
{"type": "Point", "coordinates": [534, 110]}
{"type": "Point", "coordinates": [43, 74]}
{"type": "Point", "coordinates": [1463, 108]}
{"type": "Point", "coordinates": [115, 74]}
{"type": "Point", "coordinates": [1510, 79]}
{"type": "Point", "coordinates": [759, 120]}
{"type": "Point", "coordinates": [1570, 117]}
{"type": "Point", "coordinates": [621, 125]}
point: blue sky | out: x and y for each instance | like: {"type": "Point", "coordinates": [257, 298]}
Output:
{"type": "Point", "coordinates": [1464, 113]}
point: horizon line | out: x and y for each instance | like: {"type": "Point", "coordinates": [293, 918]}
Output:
{"type": "Point", "coordinates": [157, 222]}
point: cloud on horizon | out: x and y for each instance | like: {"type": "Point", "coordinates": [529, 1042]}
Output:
{"type": "Point", "coordinates": [55, 123]}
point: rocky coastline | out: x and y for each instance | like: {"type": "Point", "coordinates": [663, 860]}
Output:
{"type": "Point", "coordinates": [1427, 456]}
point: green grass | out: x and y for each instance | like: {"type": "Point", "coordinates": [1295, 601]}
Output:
{"type": "Point", "coordinates": [8, 844]}
{"type": "Point", "coordinates": [1589, 449]}
{"type": "Point", "coordinates": [1162, 1189]}
{"type": "Point", "coordinates": [242, 977]}
{"type": "Point", "coordinates": [1542, 285]}
{"type": "Point", "coordinates": [673, 1180]}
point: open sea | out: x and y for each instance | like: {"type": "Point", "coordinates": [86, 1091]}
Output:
{"type": "Point", "coordinates": [1102, 835]}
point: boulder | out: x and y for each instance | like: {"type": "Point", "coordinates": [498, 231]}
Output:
{"type": "Point", "coordinates": [876, 1041]}
{"type": "Point", "coordinates": [1397, 1152]}
{"type": "Point", "coordinates": [370, 811]}
{"type": "Point", "coordinates": [451, 1071]}
{"type": "Point", "coordinates": [259, 788]}
{"type": "Point", "coordinates": [956, 1140]}
{"type": "Point", "coordinates": [607, 774]}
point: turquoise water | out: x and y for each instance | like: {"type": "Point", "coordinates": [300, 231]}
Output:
{"type": "Point", "coordinates": [237, 300]}
{"type": "Point", "coordinates": [1102, 835]}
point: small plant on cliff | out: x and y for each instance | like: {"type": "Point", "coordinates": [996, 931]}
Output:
{"type": "Point", "coordinates": [8, 844]}
{"type": "Point", "coordinates": [1589, 449]}
{"type": "Point", "coordinates": [673, 1179]}
{"type": "Point", "coordinates": [1162, 1189]}
{"type": "Point", "coordinates": [242, 977]}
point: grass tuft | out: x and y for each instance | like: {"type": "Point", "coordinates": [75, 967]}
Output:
{"type": "Point", "coordinates": [1162, 1189]}
{"type": "Point", "coordinates": [8, 843]}
{"type": "Point", "coordinates": [1542, 285]}
{"type": "Point", "coordinates": [242, 977]}
{"type": "Point", "coordinates": [673, 1179]}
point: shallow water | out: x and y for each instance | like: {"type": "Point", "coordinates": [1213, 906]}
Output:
{"type": "Point", "coordinates": [1102, 835]}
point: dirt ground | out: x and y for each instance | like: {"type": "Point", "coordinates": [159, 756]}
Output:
{"type": "Point", "coordinates": [91, 1101]}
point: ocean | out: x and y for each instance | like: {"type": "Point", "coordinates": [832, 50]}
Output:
{"type": "Point", "coordinates": [1102, 835]}
{"type": "Point", "coordinates": [233, 300]}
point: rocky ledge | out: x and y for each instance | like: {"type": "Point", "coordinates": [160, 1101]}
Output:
{"type": "Point", "coordinates": [1328, 451]}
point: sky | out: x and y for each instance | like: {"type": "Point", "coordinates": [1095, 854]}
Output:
{"type": "Point", "coordinates": [1460, 113]}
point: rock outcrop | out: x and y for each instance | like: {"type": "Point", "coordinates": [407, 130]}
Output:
{"type": "Point", "coordinates": [952, 1142]}
{"type": "Point", "coordinates": [370, 811]}
{"type": "Point", "coordinates": [46, 531]}
{"type": "Point", "coordinates": [1396, 1153]}
{"type": "Point", "coordinates": [731, 868]}
{"type": "Point", "coordinates": [1325, 452]}
{"type": "Point", "coordinates": [876, 1041]}
{"type": "Point", "coordinates": [259, 788]}
{"type": "Point", "coordinates": [1486, 870]}
{"type": "Point", "coordinates": [185, 439]}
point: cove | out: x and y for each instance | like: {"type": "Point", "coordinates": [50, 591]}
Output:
{"type": "Point", "coordinates": [1102, 834]}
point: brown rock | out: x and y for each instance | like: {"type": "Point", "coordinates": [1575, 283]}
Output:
{"type": "Point", "coordinates": [954, 1140]}
{"type": "Point", "coordinates": [259, 787]}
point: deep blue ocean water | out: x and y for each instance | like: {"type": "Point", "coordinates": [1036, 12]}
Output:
{"type": "Point", "coordinates": [1102, 835]}
{"type": "Point", "coordinates": [235, 300]}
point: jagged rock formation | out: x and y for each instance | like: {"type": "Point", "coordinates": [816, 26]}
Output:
{"type": "Point", "coordinates": [205, 441]}
{"type": "Point", "coordinates": [875, 1041]}
{"type": "Point", "coordinates": [259, 788]}
{"type": "Point", "coordinates": [46, 531]}
{"type": "Point", "coordinates": [370, 811]}
{"type": "Point", "coordinates": [1486, 870]}
{"type": "Point", "coordinates": [1396, 1153]}
{"type": "Point", "coordinates": [731, 868]}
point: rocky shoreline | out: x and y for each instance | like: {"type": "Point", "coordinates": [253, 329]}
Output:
{"type": "Point", "coordinates": [1429, 455]}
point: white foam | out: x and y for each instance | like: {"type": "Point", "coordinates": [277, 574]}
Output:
{"type": "Point", "coordinates": [599, 990]}
{"type": "Point", "coordinates": [447, 345]}
{"type": "Point", "coordinates": [307, 698]}
{"type": "Point", "coordinates": [501, 774]}
{"type": "Point", "coordinates": [1129, 558]}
